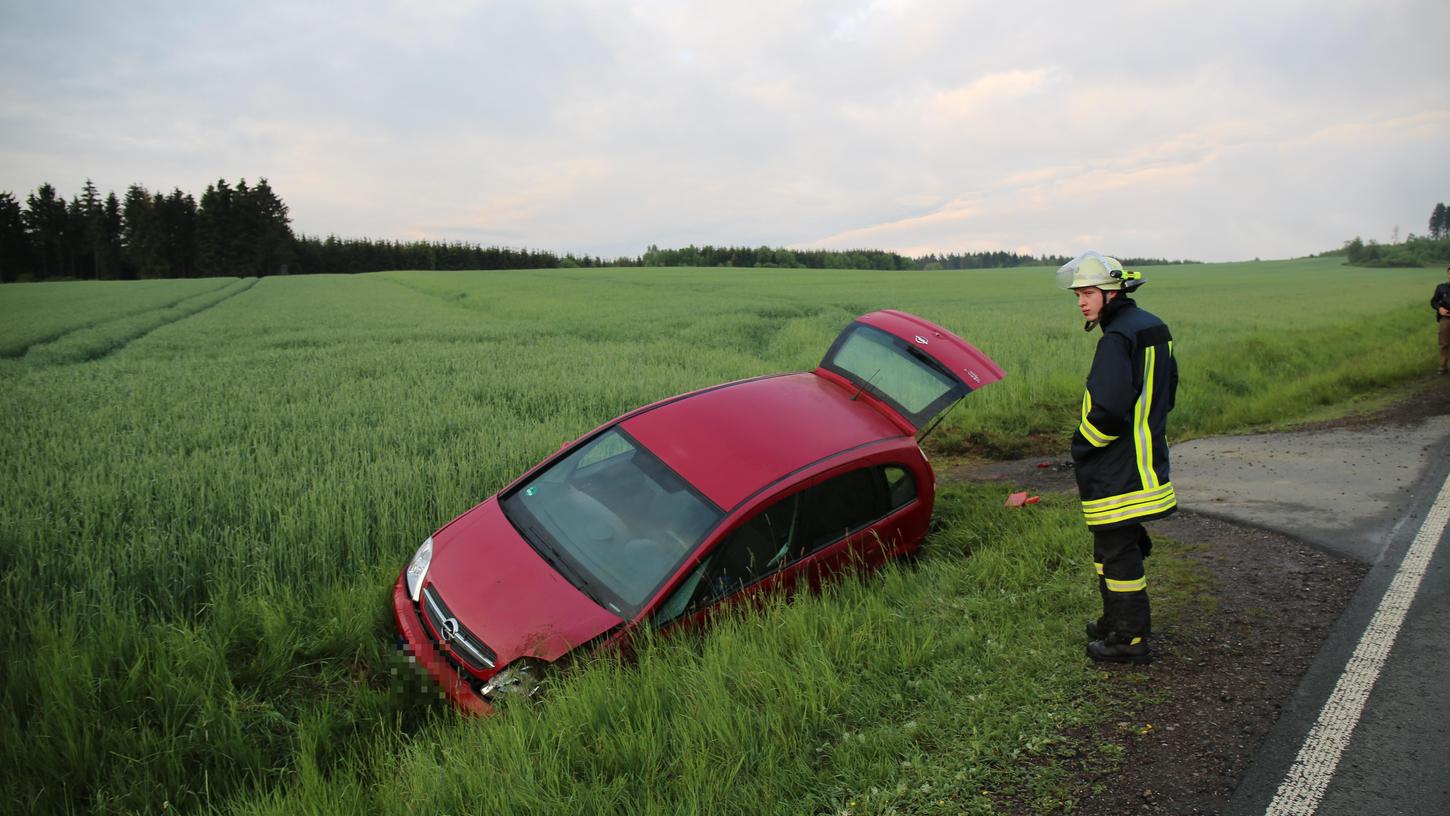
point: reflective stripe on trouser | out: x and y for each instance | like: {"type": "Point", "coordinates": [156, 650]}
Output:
{"type": "Point", "coordinates": [1118, 557]}
{"type": "Point", "coordinates": [1128, 506]}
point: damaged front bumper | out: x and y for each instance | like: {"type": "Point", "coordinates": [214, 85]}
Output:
{"type": "Point", "coordinates": [421, 650]}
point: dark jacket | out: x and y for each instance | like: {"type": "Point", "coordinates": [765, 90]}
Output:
{"type": "Point", "coordinates": [1440, 298]}
{"type": "Point", "coordinates": [1120, 448]}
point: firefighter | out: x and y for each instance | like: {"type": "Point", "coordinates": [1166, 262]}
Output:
{"type": "Point", "coordinates": [1440, 302]}
{"type": "Point", "coordinates": [1120, 448]}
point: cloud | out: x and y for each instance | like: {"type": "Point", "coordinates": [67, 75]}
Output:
{"type": "Point", "coordinates": [1210, 130]}
{"type": "Point", "coordinates": [970, 99]}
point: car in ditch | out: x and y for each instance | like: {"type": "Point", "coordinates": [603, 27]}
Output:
{"type": "Point", "coordinates": [661, 516]}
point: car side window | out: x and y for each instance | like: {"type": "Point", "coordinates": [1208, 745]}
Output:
{"type": "Point", "coordinates": [900, 486]}
{"type": "Point", "coordinates": [679, 601]}
{"type": "Point", "coordinates": [832, 509]}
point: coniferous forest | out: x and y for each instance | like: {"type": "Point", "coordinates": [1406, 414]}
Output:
{"type": "Point", "coordinates": [245, 230]}
{"type": "Point", "coordinates": [240, 229]}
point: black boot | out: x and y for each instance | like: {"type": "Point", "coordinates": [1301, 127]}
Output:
{"type": "Point", "coordinates": [1098, 629]}
{"type": "Point", "coordinates": [1116, 648]}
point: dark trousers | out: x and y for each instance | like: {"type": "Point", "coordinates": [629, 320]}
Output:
{"type": "Point", "coordinates": [1118, 555]}
{"type": "Point", "coordinates": [1443, 328]}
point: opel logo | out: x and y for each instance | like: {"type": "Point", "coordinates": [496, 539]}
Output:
{"type": "Point", "coordinates": [448, 630]}
{"type": "Point", "coordinates": [921, 340]}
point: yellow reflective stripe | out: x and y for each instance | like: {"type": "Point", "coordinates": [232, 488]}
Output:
{"type": "Point", "coordinates": [1132, 512]}
{"type": "Point", "coordinates": [1168, 499]}
{"type": "Point", "coordinates": [1098, 567]}
{"type": "Point", "coordinates": [1130, 505]}
{"type": "Point", "coordinates": [1089, 431]}
{"type": "Point", "coordinates": [1135, 641]}
{"type": "Point", "coordinates": [1094, 437]}
{"type": "Point", "coordinates": [1142, 436]}
{"type": "Point", "coordinates": [1135, 585]}
{"type": "Point", "coordinates": [1127, 498]}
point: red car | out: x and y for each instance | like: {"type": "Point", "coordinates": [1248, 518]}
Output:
{"type": "Point", "coordinates": [703, 499]}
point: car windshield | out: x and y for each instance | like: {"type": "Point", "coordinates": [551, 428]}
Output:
{"type": "Point", "coordinates": [893, 370]}
{"type": "Point", "coordinates": [612, 519]}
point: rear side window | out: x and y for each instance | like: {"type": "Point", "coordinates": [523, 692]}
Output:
{"type": "Point", "coordinates": [900, 486]}
{"type": "Point", "coordinates": [834, 508]}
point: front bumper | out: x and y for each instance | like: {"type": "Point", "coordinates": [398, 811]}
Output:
{"type": "Point", "coordinates": [421, 650]}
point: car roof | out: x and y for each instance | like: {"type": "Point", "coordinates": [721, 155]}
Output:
{"type": "Point", "coordinates": [732, 440]}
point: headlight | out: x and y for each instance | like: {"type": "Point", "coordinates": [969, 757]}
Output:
{"type": "Point", "coordinates": [418, 567]}
{"type": "Point", "coordinates": [520, 678]}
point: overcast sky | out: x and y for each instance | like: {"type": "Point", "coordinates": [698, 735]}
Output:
{"type": "Point", "coordinates": [1211, 130]}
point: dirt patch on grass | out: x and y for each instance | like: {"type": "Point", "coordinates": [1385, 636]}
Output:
{"type": "Point", "coordinates": [1433, 399]}
{"type": "Point", "coordinates": [1040, 474]}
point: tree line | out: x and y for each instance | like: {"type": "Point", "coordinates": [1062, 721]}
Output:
{"type": "Point", "coordinates": [245, 230]}
{"type": "Point", "coordinates": [333, 255]}
{"type": "Point", "coordinates": [242, 230]}
{"type": "Point", "coordinates": [854, 259]}
{"type": "Point", "coordinates": [1415, 250]}
{"type": "Point", "coordinates": [777, 257]}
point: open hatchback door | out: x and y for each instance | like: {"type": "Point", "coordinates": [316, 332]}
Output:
{"type": "Point", "coordinates": [914, 367]}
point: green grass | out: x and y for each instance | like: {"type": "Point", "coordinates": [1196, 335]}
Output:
{"type": "Point", "coordinates": [212, 484]}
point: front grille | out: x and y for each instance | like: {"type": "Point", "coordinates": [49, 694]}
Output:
{"type": "Point", "coordinates": [453, 636]}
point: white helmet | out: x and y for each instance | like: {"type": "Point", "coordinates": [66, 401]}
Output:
{"type": "Point", "coordinates": [1100, 271]}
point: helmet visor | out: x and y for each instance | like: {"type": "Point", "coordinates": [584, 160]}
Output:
{"type": "Point", "coordinates": [1087, 269]}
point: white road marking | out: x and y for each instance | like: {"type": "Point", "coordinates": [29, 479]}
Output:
{"type": "Point", "coordinates": [1303, 787]}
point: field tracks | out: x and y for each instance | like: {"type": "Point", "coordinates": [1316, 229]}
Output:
{"type": "Point", "coordinates": [103, 338]}
{"type": "Point", "coordinates": [14, 348]}
{"type": "Point", "coordinates": [451, 299]}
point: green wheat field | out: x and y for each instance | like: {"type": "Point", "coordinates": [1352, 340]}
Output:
{"type": "Point", "coordinates": [211, 485]}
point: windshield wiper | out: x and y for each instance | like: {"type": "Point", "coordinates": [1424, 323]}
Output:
{"type": "Point", "coordinates": [571, 575]}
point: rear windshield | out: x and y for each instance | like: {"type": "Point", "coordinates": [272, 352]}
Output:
{"type": "Point", "coordinates": [612, 519]}
{"type": "Point", "coordinates": [894, 370]}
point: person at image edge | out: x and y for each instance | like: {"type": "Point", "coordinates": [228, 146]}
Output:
{"type": "Point", "coordinates": [1440, 302]}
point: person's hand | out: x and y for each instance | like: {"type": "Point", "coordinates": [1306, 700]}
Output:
{"type": "Point", "coordinates": [1444, 311]}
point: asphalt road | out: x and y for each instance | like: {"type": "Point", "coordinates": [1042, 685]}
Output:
{"type": "Point", "coordinates": [1368, 730]}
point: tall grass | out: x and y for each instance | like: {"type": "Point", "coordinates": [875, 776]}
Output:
{"type": "Point", "coordinates": [210, 488]}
